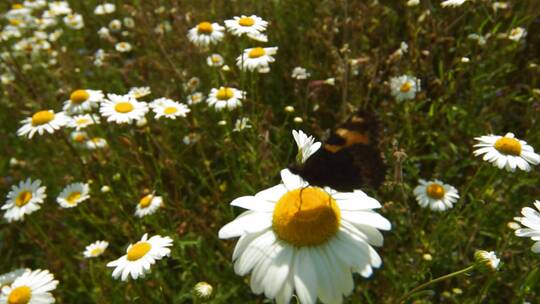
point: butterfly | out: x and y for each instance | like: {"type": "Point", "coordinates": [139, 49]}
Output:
{"type": "Point", "coordinates": [350, 159]}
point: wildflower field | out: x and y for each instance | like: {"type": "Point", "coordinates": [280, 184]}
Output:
{"type": "Point", "coordinates": [283, 151]}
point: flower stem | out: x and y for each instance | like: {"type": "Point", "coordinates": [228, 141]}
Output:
{"type": "Point", "coordinates": [444, 277]}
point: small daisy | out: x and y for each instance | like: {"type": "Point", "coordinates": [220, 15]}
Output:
{"type": "Point", "coordinates": [140, 92]}
{"type": "Point", "coordinates": [79, 137]}
{"type": "Point", "coordinates": [80, 122]}
{"type": "Point", "coordinates": [516, 34]}
{"type": "Point", "coordinates": [73, 194]}
{"type": "Point", "coordinates": [32, 287]}
{"type": "Point", "coordinates": [206, 33]}
{"type": "Point", "coordinates": [168, 108]}
{"type": "Point", "coordinates": [531, 220]}
{"type": "Point", "coordinates": [195, 98]}
{"type": "Point", "coordinates": [225, 98]}
{"type": "Point", "coordinates": [123, 108]}
{"type": "Point", "coordinates": [95, 249]}
{"type": "Point", "coordinates": [436, 195]}
{"type": "Point", "coordinates": [148, 204]}
{"type": "Point", "coordinates": [257, 59]}
{"type": "Point", "coordinates": [74, 21]}
{"type": "Point", "coordinates": [203, 291]}
{"type": "Point", "coordinates": [300, 73]}
{"type": "Point", "coordinates": [452, 3]}
{"type": "Point", "coordinates": [96, 143]}
{"type": "Point", "coordinates": [140, 256]}
{"type": "Point", "coordinates": [123, 47]}
{"type": "Point", "coordinates": [42, 121]}
{"type": "Point", "coordinates": [506, 152]}
{"type": "Point", "coordinates": [487, 260]}
{"type": "Point", "coordinates": [404, 87]}
{"type": "Point", "coordinates": [246, 25]}
{"type": "Point", "coordinates": [105, 9]}
{"type": "Point", "coordinates": [82, 100]}
{"type": "Point", "coordinates": [23, 199]}
{"type": "Point", "coordinates": [215, 60]}
{"type": "Point", "coordinates": [242, 124]}
{"type": "Point", "coordinates": [296, 238]}
{"type": "Point", "coordinates": [306, 145]}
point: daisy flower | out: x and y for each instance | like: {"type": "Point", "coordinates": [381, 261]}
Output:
{"type": "Point", "coordinates": [256, 59]}
{"type": "Point", "coordinates": [140, 92]}
{"type": "Point", "coordinates": [306, 145]}
{"type": "Point", "coordinates": [215, 60]}
{"type": "Point", "coordinates": [296, 238]}
{"type": "Point", "coordinates": [241, 124]}
{"type": "Point", "coordinates": [42, 121]}
{"type": "Point", "coordinates": [32, 287]}
{"type": "Point", "coordinates": [148, 204]}
{"type": "Point", "coordinates": [73, 194]}
{"type": "Point", "coordinates": [195, 98]}
{"type": "Point", "coordinates": [531, 220]}
{"type": "Point", "coordinates": [79, 137]}
{"type": "Point", "coordinates": [96, 143]}
{"type": "Point", "coordinates": [140, 256]}
{"type": "Point", "coordinates": [95, 249]}
{"type": "Point", "coordinates": [506, 152]}
{"type": "Point", "coordinates": [105, 9]}
{"type": "Point", "coordinates": [487, 260]}
{"type": "Point", "coordinates": [436, 195]}
{"type": "Point", "coordinates": [404, 87]}
{"type": "Point", "coordinates": [7, 279]}
{"type": "Point", "coordinates": [79, 122]}
{"type": "Point", "coordinates": [225, 98]}
{"type": "Point", "coordinates": [123, 108]}
{"type": "Point", "coordinates": [300, 73]}
{"type": "Point", "coordinates": [123, 47]}
{"type": "Point", "coordinates": [206, 33]}
{"type": "Point", "coordinates": [23, 199]}
{"type": "Point", "coordinates": [74, 21]}
{"type": "Point", "coordinates": [82, 101]}
{"type": "Point", "coordinates": [246, 25]}
{"type": "Point", "coordinates": [452, 3]}
{"type": "Point", "coordinates": [516, 34]}
{"type": "Point", "coordinates": [168, 108]}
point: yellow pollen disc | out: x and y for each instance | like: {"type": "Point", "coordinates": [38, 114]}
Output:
{"type": "Point", "coordinates": [204, 28]}
{"type": "Point", "coordinates": [23, 198]}
{"type": "Point", "coordinates": [215, 59]}
{"type": "Point", "coordinates": [170, 110]}
{"type": "Point", "coordinates": [14, 22]}
{"type": "Point", "coordinates": [73, 197]}
{"type": "Point", "coordinates": [138, 250]}
{"type": "Point", "coordinates": [224, 93]}
{"type": "Point", "coordinates": [96, 251]}
{"type": "Point", "coordinates": [246, 21]}
{"type": "Point", "coordinates": [79, 96]}
{"type": "Point", "coordinates": [42, 117]}
{"type": "Point", "coordinates": [406, 87]}
{"type": "Point", "coordinates": [17, 6]}
{"type": "Point", "coordinates": [145, 201]}
{"type": "Point", "coordinates": [256, 52]}
{"type": "Point", "coordinates": [507, 145]}
{"type": "Point", "coordinates": [306, 217]}
{"type": "Point", "coordinates": [82, 121]}
{"type": "Point", "coordinates": [20, 295]}
{"type": "Point", "coordinates": [123, 107]}
{"type": "Point", "coordinates": [435, 191]}
{"type": "Point", "coordinates": [79, 138]}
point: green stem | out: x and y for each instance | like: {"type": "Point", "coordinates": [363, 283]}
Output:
{"type": "Point", "coordinates": [444, 277]}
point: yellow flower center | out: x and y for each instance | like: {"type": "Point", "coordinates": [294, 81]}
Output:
{"type": "Point", "coordinates": [246, 21]}
{"type": "Point", "coordinates": [306, 217]}
{"type": "Point", "coordinates": [256, 52]}
{"type": "Point", "coordinates": [79, 96]}
{"type": "Point", "coordinates": [215, 59]}
{"type": "Point", "coordinates": [42, 117]}
{"type": "Point", "coordinates": [138, 250]}
{"type": "Point", "coordinates": [170, 110]}
{"type": "Point", "coordinates": [96, 251]}
{"type": "Point", "coordinates": [224, 93]}
{"type": "Point", "coordinates": [123, 107]}
{"type": "Point", "coordinates": [204, 28]}
{"type": "Point", "coordinates": [23, 198]}
{"type": "Point", "coordinates": [406, 87]}
{"type": "Point", "coordinates": [17, 6]}
{"type": "Point", "coordinates": [507, 145]}
{"type": "Point", "coordinates": [20, 295]}
{"type": "Point", "coordinates": [79, 137]}
{"type": "Point", "coordinates": [15, 22]}
{"type": "Point", "coordinates": [73, 197]}
{"type": "Point", "coordinates": [435, 191]}
{"type": "Point", "coordinates": [82, 121]}
{"type": "Point", "coordinates": [145, 201]}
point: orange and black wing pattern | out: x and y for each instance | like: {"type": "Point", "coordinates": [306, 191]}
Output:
{"type": "Point", "coordinates": [350, 158]}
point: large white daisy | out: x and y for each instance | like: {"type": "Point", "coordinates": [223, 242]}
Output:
{"type": "Point", "coordinates": [42, 121]}
{"type": "Point", "coordinates": [531, 220]}
{"type": "Point", "coordinates": [436, 195]}
{"type": "Point", "coordinates": [123, 108]}
{"type": "Point", "coordinates": [32, 287]}
{"type": "Point", "coordinates": [206, 33]}
{"type": "Point", "coordinates": [246, 25]}
{"type": "Point", "coordinates": [148, 204]}
{"type": "Point", "coordinates": [506, 152]}
{"type": "Point", "coordinates": [296, 238]}
{"type": "Point", "coordinates": [256, 59]}
{"type": "Point", "coordinates": [82, 101]}
{"type": "Point", "coordinates": [23, 199]}
{"type": "Point", "coordinates": [225, 98]}
{"type": "Point", "coordinates": [73, 194]}
{"type": "Point", "coordinates": [140, 256]}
